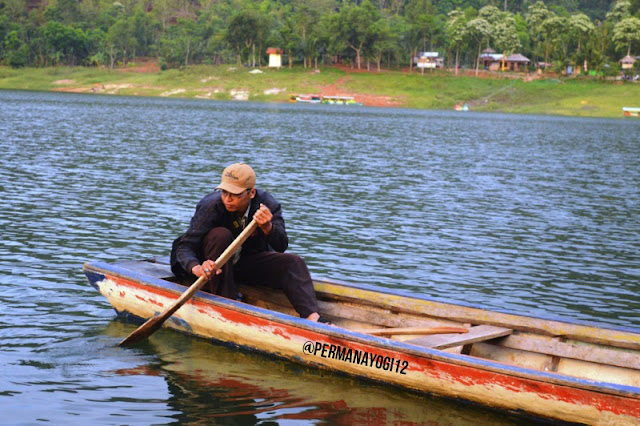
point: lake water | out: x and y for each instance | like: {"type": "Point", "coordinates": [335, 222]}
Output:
{"type": "Point", "coordinates": [532, 214]}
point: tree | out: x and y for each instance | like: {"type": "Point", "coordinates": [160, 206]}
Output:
{"type": "Point", "coordinates": [64, 11]}
{"type": "Point", "coordinates": [305, 18]}
{"type": "Point", "coordinates": [503, 31]}
{"type": "Point", "coordinates": [96, 39]}
{"type": "Point", "coordinates": [355, 26]}
{"type": "Point", "coordinates": [322, 36]}
{"type": "Point", "coordinates": [479, 30]}
{"type": "Point", "coordinates": [626, 32]}
{"type": "Point", "coordinates": [554, 37]}
{"type": "Point", "coordinates": [15, 10]}
{"type": "Point", "coordinates": [505, 35]}
{"type": "Point", "coordinates": [64, 43]}
{"type": "Point", "coordinates": [581, 29]}
{"type": "Point", "coordinates": [619, 11]}
{"type": "Point", "coordinates": [394, 51]}
{"type": "Point", "coordinates": [456, 32]}
{"type": "Point", "coordinates": [491, 14]}
{"type": "Point", "coordinates": [180, 44]}
{"type": "Point", "coordinates": [536, 15]}
{"type": "Point", "coordinates": [121, 39]}
{"type": "Point", "coordinates": [144, 30]}
{"type": "Point", "coordinates": [381, 40]}
{"type": "Point", "coordinates": [244, 29]}
{"type": "Point", "coordinates": [419, 15]}
{"type": "Point", "coordinates": [289, 40]}
{"type": "Point", "coordinates": [264, 31]}
{"type": "Point", "coordinates": [17, 51]}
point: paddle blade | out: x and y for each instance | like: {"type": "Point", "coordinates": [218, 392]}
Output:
{"type": "Point", "coordinates": [144, 331]}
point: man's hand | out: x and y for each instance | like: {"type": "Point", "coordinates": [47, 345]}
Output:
{"type": "Point", "coordinates": [207, 268]}
{"type": "Point", "coordinates": [263, 218]}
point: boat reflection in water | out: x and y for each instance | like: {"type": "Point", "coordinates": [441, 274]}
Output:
{"type": "Point", "coordinates": [213, 384]}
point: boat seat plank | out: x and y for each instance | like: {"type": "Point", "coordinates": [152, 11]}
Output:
{"type": "Point", "coordinates": [476, 334]}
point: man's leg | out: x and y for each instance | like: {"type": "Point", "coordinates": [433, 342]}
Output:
{"type": "Point", "coordinates": [213, 244]}
{"type": "Point", "coordinates": [284, 271]}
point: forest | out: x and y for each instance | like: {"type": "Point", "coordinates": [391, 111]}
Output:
{"type": "Point", "coordinates": [371, 34]}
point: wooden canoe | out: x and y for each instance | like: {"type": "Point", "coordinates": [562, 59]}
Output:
{"type": "Point", "coordinates": [549, 368]}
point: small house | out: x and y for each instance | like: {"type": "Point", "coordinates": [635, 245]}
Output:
{"type": "Point", "coordinates": [275, 57]}
{"type": "Point", "coordinates": [490, 60]}
{"type": "Point", "coordinates": [517, 62]}
{"type": "Point", "coordinates": [627, 62]}
{"type": "Point", "coordinates": [429, 60]}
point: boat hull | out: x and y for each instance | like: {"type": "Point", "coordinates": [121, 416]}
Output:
{"type": "Point", "coordinates": [401, 364]}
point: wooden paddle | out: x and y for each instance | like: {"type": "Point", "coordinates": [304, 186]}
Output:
{"type": "Point", "coordinates": [154, 323]}
{"type": "Point", "coordinates": [412, 330]}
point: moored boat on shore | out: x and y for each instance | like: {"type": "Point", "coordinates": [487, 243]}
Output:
{"type": "Point", "coordinates": [631, 112]}
{"type": "Point", "coordinates": [551, 368]}
{"type": "Point", "coordinates": [340, 100]}
{"type": "Point", "coordinates": [307, 99]}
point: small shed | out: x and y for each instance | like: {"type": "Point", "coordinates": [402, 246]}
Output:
{"type": "Point", "coordinates": [429, 60]}
{"type": "Point", "coordinates": [516, 61]}
{"type": "Point", "coordinates": [627, 62]}
{"type": "Point", "coordinates": [490, 60]}
{"type": "Point", "coordinates": [275, 57]}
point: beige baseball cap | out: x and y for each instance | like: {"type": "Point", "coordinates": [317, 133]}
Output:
{"type": "Point", "coordinates": [237, 178]}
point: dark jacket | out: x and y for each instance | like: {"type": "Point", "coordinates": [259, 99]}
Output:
{"type": "Point", "coordinates": [186, 251]}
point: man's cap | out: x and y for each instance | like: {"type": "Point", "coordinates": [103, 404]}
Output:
{"type": "Point", "coordinates": [237, 178]}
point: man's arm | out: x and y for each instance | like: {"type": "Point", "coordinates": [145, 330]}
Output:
{"type": "Point", "coordinates": [277, 235]}
{"type": "Point", "coordinates": [201, 223]}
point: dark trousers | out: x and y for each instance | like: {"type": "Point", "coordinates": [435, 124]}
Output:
{"type": "Point", "coordinates": [282, 271]}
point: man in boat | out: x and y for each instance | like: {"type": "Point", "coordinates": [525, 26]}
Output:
{"type": "Point", "coordinates": [220, 217]}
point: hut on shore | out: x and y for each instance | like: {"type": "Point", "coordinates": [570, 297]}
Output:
{"type": "Point", "coordinates": [627, 62]}
{"type": "Point", "coordinates": [428, 60]}
{"type": "Point", "coordinates": [275, 57]}
{"type": "Point", "coordinates": [517, 62]}
{"type": "Point", "coordinates": [490, 60]}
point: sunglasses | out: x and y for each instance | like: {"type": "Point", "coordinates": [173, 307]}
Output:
{"type": "Point", "coordinates": [227, 194]}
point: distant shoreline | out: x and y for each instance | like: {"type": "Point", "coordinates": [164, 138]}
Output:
{"type": "Point", "coordinates": [443, 90]}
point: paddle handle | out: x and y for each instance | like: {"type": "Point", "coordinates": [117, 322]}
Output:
{"type": "Point", "coordinates": [154, 323]}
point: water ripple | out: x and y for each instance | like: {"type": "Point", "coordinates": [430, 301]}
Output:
{"type": "Point", "coordinates": [524, 213]}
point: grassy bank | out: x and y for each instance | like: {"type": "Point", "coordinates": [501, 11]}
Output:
{"type": "Point", "coordinates": [571, 97]}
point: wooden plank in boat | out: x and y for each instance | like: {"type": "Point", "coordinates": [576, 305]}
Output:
{"type": "Point", "coordinates": [381, 317]}
{"type": "Point", "coordinates": [345, 313]}
{"type": "Point", "coordinates": [476, 334]}
{"type": "Point", "coordinates": [584, 352]}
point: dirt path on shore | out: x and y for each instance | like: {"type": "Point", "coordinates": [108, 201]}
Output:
{"type": "Point", "coordinates": [141, 65]}
{"type": "Point", "coordinates": [336, 89]}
